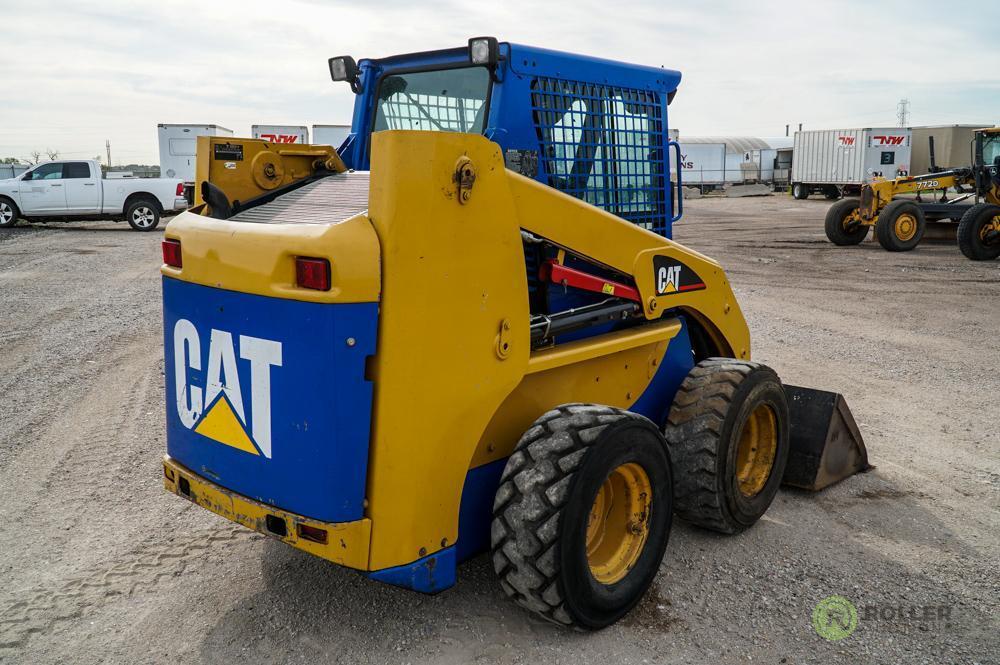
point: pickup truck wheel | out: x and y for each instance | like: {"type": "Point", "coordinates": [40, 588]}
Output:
{"type": "Point", "coordinates": [8, 213]}
{"type": "Point", "coordinates": [143, 215]}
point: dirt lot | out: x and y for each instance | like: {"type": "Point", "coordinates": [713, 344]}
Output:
{"type": "Point", "coordinates": [100, 565]}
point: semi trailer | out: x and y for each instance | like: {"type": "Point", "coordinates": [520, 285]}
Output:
{"type": "Point", "coordinates": [837, 162]}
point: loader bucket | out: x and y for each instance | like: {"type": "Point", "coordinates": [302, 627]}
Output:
{"type": "Point", "coordinates": [826, 445]}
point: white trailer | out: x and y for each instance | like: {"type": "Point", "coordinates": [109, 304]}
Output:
{"type": "Point", "coordinates": [334, 135]}
{"type": "Point", "coordinates": [281, 133]}
{"type": "Point", "coordinates": [178, 147]}
{"type": "Point", "coordinates": [703, 165]}
{"type": "Point", "coordinates": [840, 161]}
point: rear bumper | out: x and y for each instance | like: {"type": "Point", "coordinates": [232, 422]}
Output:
{"type": "Point", "coordinates": [346, 543]}
{"type": "Point", "coordinates": [181, 203]}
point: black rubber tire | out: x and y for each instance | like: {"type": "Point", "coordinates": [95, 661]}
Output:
{"type": "Point", "coordinates": [703, 432]}
{"type": "Point", "coordinates": [969, 228]}
{"type": "Point", "coordinates": [831, 192]}
{"type": "Point", "coordinates": [834, 224]}
{"type": "Point", "coordinates": [152, 208]}
{"type": "Point", "coordinates": [8, 207]}
{"type": "Point", "coordinates": [543, 503]}
{"type": "Point", "coordinates": [800, 191]}
{"type": "Point", "coordinates": [885, 226]}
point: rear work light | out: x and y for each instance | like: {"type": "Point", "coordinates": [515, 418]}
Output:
{"type": "Point", "coordinates": [172, 252]}
{"type": "Point", "coordinates": [312, 273]}
{"type": "Point", "coordinates": [180, 189]}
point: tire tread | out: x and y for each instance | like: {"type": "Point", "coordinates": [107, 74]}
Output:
{"type": "Point", "coordinates": [534, 487]}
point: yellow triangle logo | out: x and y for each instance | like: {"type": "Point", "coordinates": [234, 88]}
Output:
{"type": "Point", "coordinates": [670, 288]}
{"type": "Point", "coordinates": [221, 424]}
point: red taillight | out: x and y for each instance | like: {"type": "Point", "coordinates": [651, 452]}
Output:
{"type": "Point", "coordinates": [180, 189]}
{"type": "Point", "coordinates": [312, 533]}
{"type": "Point", "coordinates": [312, 273]}
{"type": "Point", "coordinates": [172, 252]}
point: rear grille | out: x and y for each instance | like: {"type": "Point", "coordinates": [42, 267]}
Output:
{"type": "Point", "coordinates": [328, 201]}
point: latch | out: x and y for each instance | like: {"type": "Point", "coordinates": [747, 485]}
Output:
{"type": "Point", "coordinates": [465, 178]}
{"type": "Point", "coordinates": [504, 340]}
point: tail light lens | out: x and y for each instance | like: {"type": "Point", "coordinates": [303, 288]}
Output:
{"type": "Point", "coordinates": [180, 189]}
{"type": "Point", "coordinates": [315, 534]}
{"type": "Point", "coordinates": [172, 252]}
{"type": "Point", "coordinates": [312, 273]}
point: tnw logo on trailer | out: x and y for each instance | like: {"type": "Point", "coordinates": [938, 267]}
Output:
{"type": "Point", "coordinates": [280, 138]}
{"type": "Point", "coordinates": [888, 140]}
{"type": "Point", "coordinates": [846, 141]}
{"type": "Point", "coordinates": [217, 410]}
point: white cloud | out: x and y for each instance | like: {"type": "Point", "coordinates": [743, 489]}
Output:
{"type": "Point", "coordinates": [76, 76]}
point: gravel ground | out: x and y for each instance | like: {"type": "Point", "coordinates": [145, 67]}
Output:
{"type": "Point", "coordinates": [100, 565]}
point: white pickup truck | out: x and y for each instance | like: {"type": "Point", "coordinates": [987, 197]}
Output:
{"type": "Point", "coordinates": [75, 189]}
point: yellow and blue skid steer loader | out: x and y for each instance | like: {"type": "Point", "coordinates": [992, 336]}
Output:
{"type": "Point", "coordinates": [470, 345]}
{"type": "Point", "coordinates": [367, 366]}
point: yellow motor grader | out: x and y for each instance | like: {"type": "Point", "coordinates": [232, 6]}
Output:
{"type": "Point", "coordinates": [900, 222]}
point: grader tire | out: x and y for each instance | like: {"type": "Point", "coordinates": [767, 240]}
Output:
{"type": "Point", "coordinates": [900, 226]}
{"type": "Point", "coordinates": [549, 550]}
{"type": "Point", "coordinates": [836, 217]}
{"type": "Point", "coordinates": [971, 231]}
{"type": "Point", "coordinates": [725, 479]}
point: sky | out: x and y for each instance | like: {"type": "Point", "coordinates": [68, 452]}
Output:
{"type": "Point", "coordinates": [76, 74]}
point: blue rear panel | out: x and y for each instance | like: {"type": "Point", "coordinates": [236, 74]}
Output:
{"type": "Point", "coordinates": [267, 396]}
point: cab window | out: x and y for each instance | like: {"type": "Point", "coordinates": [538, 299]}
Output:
{"type": "Point", "coordinates": [47, 172]}
{"type": "Point", "coordinates": [76, 170]}
{"type": "Point", "coordinates": [991, 149]}
{"type": "Point", "coordinates": [450, 100]}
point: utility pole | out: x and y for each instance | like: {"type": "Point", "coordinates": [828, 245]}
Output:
{"type": "Point", "coordinates": [107, 144]}
{"type": "Point", "coordinates": [903, 112]}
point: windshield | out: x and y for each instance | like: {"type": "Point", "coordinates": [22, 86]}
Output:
{"type": "Point", "coordinates": [451, 100]}
{"type": "Point", "coordinates": [991, 149]}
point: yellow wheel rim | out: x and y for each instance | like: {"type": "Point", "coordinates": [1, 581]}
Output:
{"type": "Point", "coordinates": [618, 525]}
{"type": "Point", "coordinates": [992, 225]}
{"type": "Point", "coordinates": [849, 219]}
{"type": "Point", "coordinates": [906, 226]}
{"type": "Point", "coordinates": [757, 447]}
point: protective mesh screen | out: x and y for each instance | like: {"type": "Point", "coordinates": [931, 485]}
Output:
{"type": "Point", "coordinates": [604, 144]}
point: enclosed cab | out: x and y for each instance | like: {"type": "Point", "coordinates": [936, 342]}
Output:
{"type": "Point", "coordinates": [595, 129]}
